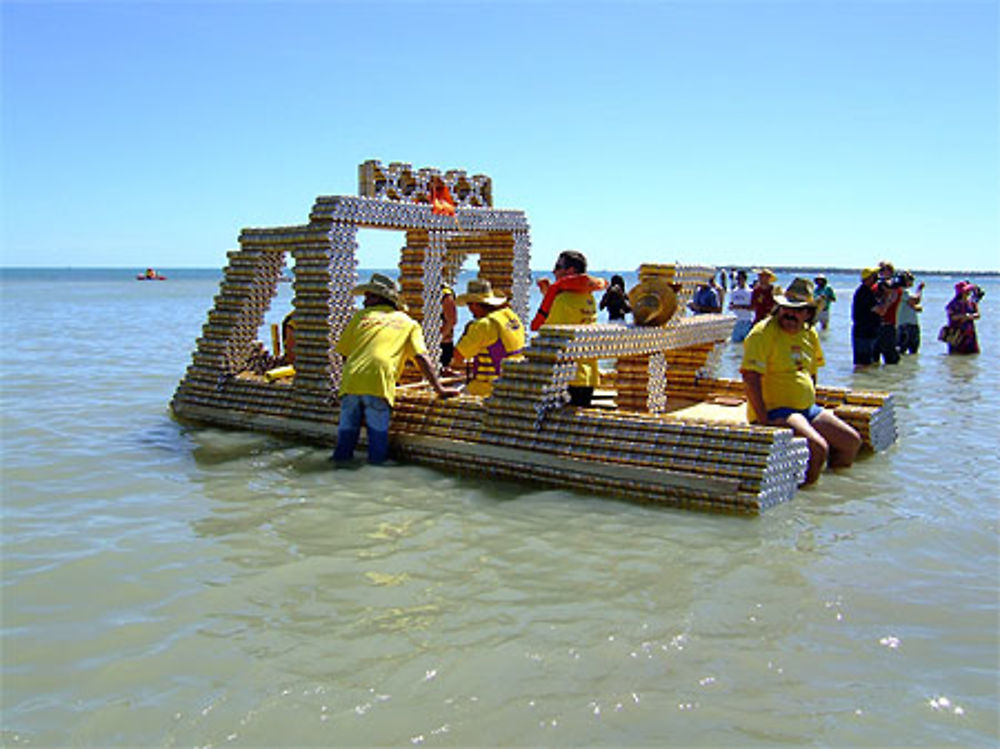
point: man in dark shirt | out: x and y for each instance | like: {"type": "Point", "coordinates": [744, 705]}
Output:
{"type": "Point", "coordinates": [866, 318]}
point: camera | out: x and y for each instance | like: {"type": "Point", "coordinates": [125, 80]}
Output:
{"type": "Point", "coordinates": [897, 280]}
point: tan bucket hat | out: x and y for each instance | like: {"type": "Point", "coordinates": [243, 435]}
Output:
{"type": "Point", "coordinates": [480, 290]}
{"type": "Point", "coordinates": [654, 302]}
{"type": "Point", "coordinates": [381, 286]}
{"type": "Point", "coordinates": [798, 294]}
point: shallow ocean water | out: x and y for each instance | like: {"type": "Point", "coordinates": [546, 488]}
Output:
{"type": "Point", "coordinates": [164, 585]}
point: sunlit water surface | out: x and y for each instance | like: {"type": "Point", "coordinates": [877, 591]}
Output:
{"type": "Point", "coordinates": [171, 586]}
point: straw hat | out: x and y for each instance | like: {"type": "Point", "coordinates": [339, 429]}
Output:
{"type": "Point", "coordinates": [381, 286]}
{"type": "Point", "coordinates": [766, 273]}
{"type": "Point", "coordinates": [798, 294]}
{"type": "Point", "coordinates": [868, 273]}
{"type": "Point", "coordinates": [654, 302]}
{"type": "Point", "coordinates": [480, 290]}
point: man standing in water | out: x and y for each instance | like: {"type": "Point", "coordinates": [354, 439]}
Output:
{"type": "Point", "coordinates": [825, 296]}
{"type": "Point", "coordinates": [780, 360]}
{"type": "Point", "coordinates": [739, 305]}
{"type": "Point", "coordinates": [377, 342]}
{"type": "Point", "coordinates": [865, 318]}
{"type": "Point", "coordinates": [762, 297]}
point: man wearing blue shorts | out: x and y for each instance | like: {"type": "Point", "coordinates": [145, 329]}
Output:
{"type": "Point", "coordinates": [781, 357]}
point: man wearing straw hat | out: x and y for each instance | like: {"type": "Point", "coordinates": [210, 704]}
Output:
{"type": "Point", "coordinates": [495, 334]}
{"type": "Point", "coordinates": [781, 357]}
{"type": "Point", "coordinates": [377, 342]}
{"type": "Point", "coordinates": [763, 293]}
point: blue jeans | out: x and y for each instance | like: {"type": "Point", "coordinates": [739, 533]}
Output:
{"type": "Point", "coordinates": [376, 413]}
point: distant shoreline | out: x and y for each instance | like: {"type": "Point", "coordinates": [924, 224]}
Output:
{"type": "Point", "coordinates": [775, 268]}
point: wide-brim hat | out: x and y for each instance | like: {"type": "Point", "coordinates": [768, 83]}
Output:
{"type": "Point", "coordinates": [798, 294]}
{"type": "Point", "coordinates": [654, 302]}
{"type": "Point", "coordinates": [868, 273]}
{"type": "Point", "coordinates": [766, 273]}
{"type": "Point", "coordinates": [480, 290]}
{"type": "Point", "coordinates": [381, 286]}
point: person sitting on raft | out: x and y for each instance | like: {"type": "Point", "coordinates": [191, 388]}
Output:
{"type": "Point", "coordinates": [570, 301]}
{"type": "Point", "coordinates": [495, 334]}
{"type": "Point", "coordinates": [376, 344]}
{"type": "Point", "coordinates": [781, 357]}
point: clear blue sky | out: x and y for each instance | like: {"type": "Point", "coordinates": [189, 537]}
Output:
{"type": "Point", "coordinates": [780, 133]}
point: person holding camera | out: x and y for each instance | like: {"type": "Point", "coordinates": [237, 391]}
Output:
{"type": "Point", "coordinates": [890, 295]}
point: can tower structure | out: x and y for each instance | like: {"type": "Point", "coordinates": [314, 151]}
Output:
{"type": "Point", "coordinates": [325, 268]}
{"type": "Point", "coordinates": [670, 434]}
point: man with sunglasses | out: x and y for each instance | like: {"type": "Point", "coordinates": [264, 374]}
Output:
{"type": "Point", "coordinates": [781, 357]}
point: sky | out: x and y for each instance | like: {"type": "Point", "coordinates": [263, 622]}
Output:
{"type": "Point", "coordinates": [795, 133]}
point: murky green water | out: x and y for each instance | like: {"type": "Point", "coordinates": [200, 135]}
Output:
{"type": "Point", "coordinates": [166, 586]}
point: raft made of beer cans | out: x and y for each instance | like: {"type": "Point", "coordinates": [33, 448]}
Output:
{"type": "Point", "coordinates": [662, 429]}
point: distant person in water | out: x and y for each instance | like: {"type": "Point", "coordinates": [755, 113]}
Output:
{"type": "Point", "coordinates": [615, 301]}
{"type": "Point", "coordinates": [963, 311]}
{"type": "Point", "coordinates": [825, 296]}
{"type": "Point", "coordinates": [762, 297]}
{"type": "Point", "coordinates": [740, 305]}
{"type": "Point", "coordinates": [570, 301]}
{"type": "Point", "coordinates": [907, 323]}
{"type": "Point", "coordinates": [705, 299]}
{"type": "Point", "coordinates": [889, 291]}
{"type": "Point", "coordinates": [865, 319]}
{"type": "Point", "coordinates": [781, 358]}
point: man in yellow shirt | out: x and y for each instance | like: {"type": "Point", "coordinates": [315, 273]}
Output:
{"type": "Point", "coordinates": [377, 343]}
{"type": "Point", "coordinates": [781, 356]}
{"type": "Point", "coordinates": [495, 334]}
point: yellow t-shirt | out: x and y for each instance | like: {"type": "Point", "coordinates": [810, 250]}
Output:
{"type": "Point", "coordinates": [489, 340]}
{"type": "Point", "coordinates": [377, 343]}
{"type": "Point", "coordinates": [576, 308]}
{"type": "Point", "coordinates": [787, 363]}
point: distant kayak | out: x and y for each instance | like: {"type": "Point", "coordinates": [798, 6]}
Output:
{"type": "Point", "coordinates": [141, 277]}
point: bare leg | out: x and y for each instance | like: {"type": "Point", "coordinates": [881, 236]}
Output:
{"type": "Point", "coordinates": [819, 449]}
{"type": "Point", "coordinates": [843, 439]}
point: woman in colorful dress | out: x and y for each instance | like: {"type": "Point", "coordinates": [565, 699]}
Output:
{"type": "Point", "coordinates": [962, 314]}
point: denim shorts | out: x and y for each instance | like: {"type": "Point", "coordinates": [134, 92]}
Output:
{"type": "Point", "coordinates": [783, 413]}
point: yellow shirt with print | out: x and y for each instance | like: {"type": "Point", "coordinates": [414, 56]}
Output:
{"type": "Point", "coordinates": [377, 343]}
{"type": "Point", "coordinates": [501, 326]}
{"type": "Point", "coordinates": [577, 308]}
{"type": "Point", "coordinates": [786, 362]}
